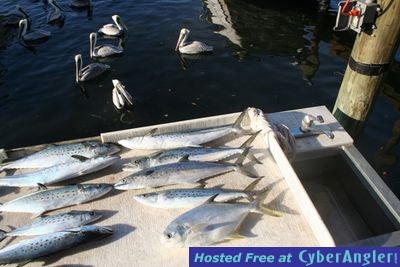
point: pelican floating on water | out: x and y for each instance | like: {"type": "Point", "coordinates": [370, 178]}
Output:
{"type": "Point", "coordinates": [14, 18]}
{"type": "Point", "coordinates": [104, 50]}
{"type": "Point", "coordinates": [32, 35]}
{"type": "Point", "coordinates": [56, 13]}
{"type": "Point", "coordinates": [121, 98]}
{"type": "Point", "coordinates": [116, 29]}
{"type": "Point", "coordinates": [194, 47]}
{"type": "Point", "coordinates": [80, 3]}
{"type": "Point", "coordinates": [89, 72]}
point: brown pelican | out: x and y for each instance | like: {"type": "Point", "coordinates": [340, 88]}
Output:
{"type": "Point", "coordinates": [116, 29]}
{"type": "Point", "coordinates": [32, 35]}
{"type": "Point", "coordinates": [121, 98]}
{"type": "Point", "coordinates": [89, 72]}
{"type": "Point", "coordinates": [56, 13]}
{"type": "Point", "coordinates": [80, 3]}
{"type": "Point", "coordinates": [194, 47]}
{"type": "Point", "coordinates": [14, 18]}
{"type": "Point", "coordinates": [105, 50]}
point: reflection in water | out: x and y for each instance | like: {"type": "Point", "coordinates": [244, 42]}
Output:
{"type": "Point", "coordinates": [220, 16]}
{"type": "Point", "coordinates": [185, 58]}
{"type": "Point", "coordinates": [263, 28]}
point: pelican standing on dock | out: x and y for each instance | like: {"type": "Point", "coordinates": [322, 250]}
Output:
{"type": "Point", "coordinates": [32, 35]}
{"type": "Point", "coordinates": [80, 3]}
{"type": "Point", "coordinates": [55, 14]}
{"type": "Point", "coordinates": [14, 18]}
{"type": "Point", "coordinates": [89, 72]}
{"type": "Point", "coordinates": [194, 47]}
{"type": "Point", "coordinates": [116, 29]}
{"type": "Point", "coordinates": [104, 50]}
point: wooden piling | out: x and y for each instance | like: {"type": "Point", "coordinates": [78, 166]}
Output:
{"type": "Point", "coordinates": [370, 58]}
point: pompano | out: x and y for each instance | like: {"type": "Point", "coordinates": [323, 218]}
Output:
{"type": "Point", "coordinates": [184, 198]}
{"type": "Point", "coordinates": [59, 172]}
{"type": "Point", "coordinates": [210, 223]}
{"type": "Point", "coordinates": [57, 154]}
{"type": "Point", "coordinates": [28, 250]}
{"type": "Point", "coordinates": [47, 224]}
{"type": "Point", "coordinates": [184, 172]}
{"type": "Point", "coordinates": [192, 153]}
{"type": "Point", "coordinates": [182, 139]}
{"type": "Point", "coordinates": [55, 198]}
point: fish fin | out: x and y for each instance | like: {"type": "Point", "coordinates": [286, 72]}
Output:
{"type": "Point", "coordinates": [80, 158]}
{"type": "Point", "coordinates": [2, 235]}
{"type": "Point", "coordinates": [252, 185]}
{"type": "Point", "coordinates": [236, 236]}
{"type": "Point", "coordinates": [212, 198]}
{"type": "Point", "coordinates": [198, 227]}
{"type": "Point", "coordinates": [80, 188]}
{"type": "Point", "coordinates": [184, 158]}
{"type": "Point", "coordinates": [248, 142]}
{"type": "Point", "coordinates": [149, 172]}
{"type": "Point", "coordinates": [152, 132]}
{"type": "Point", "coordinates": [23, 263]}
{"type": "Point", "coordinates": [36, 215]}
{"type": "Point", "coordinates": [259, 206]}
{"type": "Point", "coordinates": [41, 187]}
{"type": "Point", "coordinates": [218, 186]}
{"type": "Point", "coordinates": [200, 185]}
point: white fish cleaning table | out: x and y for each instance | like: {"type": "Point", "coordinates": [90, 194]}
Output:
{"type": "Point", "coordinates": [137, 228]}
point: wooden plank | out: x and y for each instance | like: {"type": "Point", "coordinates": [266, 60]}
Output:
{"type": "Point", "coordinates": [137, 228]}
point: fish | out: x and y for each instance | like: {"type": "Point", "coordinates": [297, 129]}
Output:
{"type": "Point", "coordinates": [191, 197]}
{"type": "Point", "coordinates": [57, 154]}
{"type": "Point", "coordinates": [183, 172]}
{"type": "Point", "coordinates": [192, 153]}
{"type": "Point", "coordinates": [47, 224]}
{"type": "Point", "coordinates": [59, 172]}
{"type": "Point", "coordinates": [31, 249]}
{"type": "Point", "coordinates": [55, 198]}
{"type": "Point", "coordinates": [211, 222]}
{"type": "Point", "coordinates": [195, 138]}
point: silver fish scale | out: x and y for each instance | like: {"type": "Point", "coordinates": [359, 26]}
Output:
{"type": "Point", "coordinates": [189, 193]}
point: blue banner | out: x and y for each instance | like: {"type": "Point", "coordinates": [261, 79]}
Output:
{"type": "Point", "coordinates": [289, 257]}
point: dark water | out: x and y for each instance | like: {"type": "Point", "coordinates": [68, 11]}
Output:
{"type": "Point", "coordinates": [268, 55]}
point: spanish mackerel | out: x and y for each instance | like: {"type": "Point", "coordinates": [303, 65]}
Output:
{"type": "Point", "coordinates": [59, 172]}
{"type": "Point", "coordinates": [28, 250]}
{"type": "Point", "coordinates": [191, 153]}
{"type": "Point", "coordinates": [57, 154]}
{"type": "Point", "coordinates": [211, 222]}
{"type": "Point", "coordinates": [182, 139]}
{"type": "Point", "coordinates": [55, 198]}
{"type": "Point", "coordinates": [47, 224]}
{"type": "Point", "coordinates": [184, 172]}
{"type": "Point", "coordinates": [185, 198]}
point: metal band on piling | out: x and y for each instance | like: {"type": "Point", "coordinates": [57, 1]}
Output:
{"type": "Point", "coordinates": [368, 69]}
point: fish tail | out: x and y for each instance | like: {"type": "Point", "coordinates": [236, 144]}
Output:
{"type": "Point", "coordinates": [237, 125]}
{"type": "Point", "coordinates": [248, 142]}
{"type": "Point", "coordinates": [3, 235]}
{"type": "Point", "coordinates": [239, 164]}
{"type": "Point", "coordinates": [258, 205]}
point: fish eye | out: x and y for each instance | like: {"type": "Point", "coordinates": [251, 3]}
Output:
{"type": "Point", "coordinates": [92, 213]}
{"type": "Point", "coordinates": [169, 235]}
{"type": "Point", "coordinates": [145, 195]}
